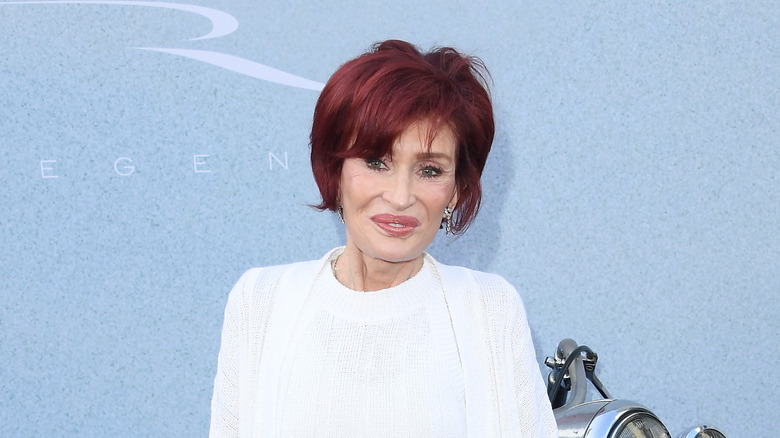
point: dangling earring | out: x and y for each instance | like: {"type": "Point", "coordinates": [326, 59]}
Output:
{"type": "Point", "coordinates": [446, 222]}
{"type": "Point", "coordinates": [340, 213]}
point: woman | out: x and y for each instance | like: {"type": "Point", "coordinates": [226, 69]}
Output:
{"type": "Point", "coordinates": [377, 339]}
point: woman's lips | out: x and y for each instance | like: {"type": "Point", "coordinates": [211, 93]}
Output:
{"type": "Point", "coordinates": [397, 226]}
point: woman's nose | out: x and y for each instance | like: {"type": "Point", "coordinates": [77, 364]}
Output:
{"type": "Point", "coordinates": [399, 192]}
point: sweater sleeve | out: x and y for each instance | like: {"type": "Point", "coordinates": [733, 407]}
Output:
{"type": "Point", "coordinates": [225, 399]}
{"type": "Point", "coordinates": [536, 413]}
{"type": "Point", "coordinates": [524, 405]}
{"type": "Point", "coordinates": [247, 314]}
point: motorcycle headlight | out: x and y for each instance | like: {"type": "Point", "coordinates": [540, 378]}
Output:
{"type": "Point", "coordinates": [609, 419]}
{"type": "Point", "coordinates": [573, 366]}
{"type": "Point", "coordinates": [702, 432]}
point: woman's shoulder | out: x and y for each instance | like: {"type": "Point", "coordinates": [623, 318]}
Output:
{"type": "Point", "coordinates": [258, 282]}
{"type": "Point", "coordinates": [487, 281]}
{"type": "Point", "coordinates": [266, 273]}
{"type": "Point", "coordinates": [492, 290]}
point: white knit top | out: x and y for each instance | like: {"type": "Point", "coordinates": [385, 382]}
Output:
{"type": "Point", "coordinates": [371, 364]}
{"type": "Point", "coordinates": [328, 361]}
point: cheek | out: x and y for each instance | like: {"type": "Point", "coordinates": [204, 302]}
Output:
{"type": "Point", "coordinates": [445, 191]}
{"type": "Point", "coordinates": [357, 188]}
{"type": "Point", "coordinates": [438, 197]}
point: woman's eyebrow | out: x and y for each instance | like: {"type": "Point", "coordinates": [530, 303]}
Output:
{"type": "Point", "coordinates": [435, 155]}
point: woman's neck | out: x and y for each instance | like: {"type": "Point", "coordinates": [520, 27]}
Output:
{"type": "Point", "coordinates": [358, 271]}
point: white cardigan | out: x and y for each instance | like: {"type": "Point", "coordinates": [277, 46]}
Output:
{"type": "Point", "coordinates": [502, 387]}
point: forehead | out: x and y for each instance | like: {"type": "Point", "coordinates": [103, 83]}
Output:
{"type": "Point", "coordinates": [424, 134]}
{"type": "Point", "coordinates": [425, 138]}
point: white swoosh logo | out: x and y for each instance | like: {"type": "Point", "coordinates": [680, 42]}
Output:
{"type": "Point", "coordinates": [243, 66]}
{"type": "Point", "coordinates": [222, 24]}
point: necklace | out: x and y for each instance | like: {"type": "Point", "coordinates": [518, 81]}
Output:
{"type": "Point", "coordinates": [335, 268]}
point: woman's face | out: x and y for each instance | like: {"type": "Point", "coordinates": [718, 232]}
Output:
{"type": "Point", "coordinates": [393, 205]}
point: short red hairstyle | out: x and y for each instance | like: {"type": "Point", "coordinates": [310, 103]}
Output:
{"type": "Point", "coordinates": [372, 99]}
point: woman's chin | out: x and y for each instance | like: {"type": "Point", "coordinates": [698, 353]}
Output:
{"type": "Point", "coordinates": [392, 253]}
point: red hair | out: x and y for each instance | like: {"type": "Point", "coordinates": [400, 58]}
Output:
{"type": "Point", "coordinates": [372, 99]}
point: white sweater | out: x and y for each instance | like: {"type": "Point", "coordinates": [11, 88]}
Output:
{"type": "Point", "coordinates": [447, 353]}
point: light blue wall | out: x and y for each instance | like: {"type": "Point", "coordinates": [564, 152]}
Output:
{"type": "Point", "coordinates": [633, 195]}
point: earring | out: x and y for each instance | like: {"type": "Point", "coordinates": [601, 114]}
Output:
{"type": "Point", "coordinates": [340, 213]}
{"type": "Point", "coordinates": [446, 221]}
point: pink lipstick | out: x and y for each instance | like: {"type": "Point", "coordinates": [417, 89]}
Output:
{"type": "Point", "coordinates": [396, 226]}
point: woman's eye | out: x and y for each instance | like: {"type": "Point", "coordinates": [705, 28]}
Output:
{"type": "Point", "coordinates": [430, 171]}
{"type": "Point", "coordinates": [375, 163]}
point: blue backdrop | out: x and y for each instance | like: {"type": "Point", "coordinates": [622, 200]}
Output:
{"type": "Point", "coordinates": [151, 152]}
